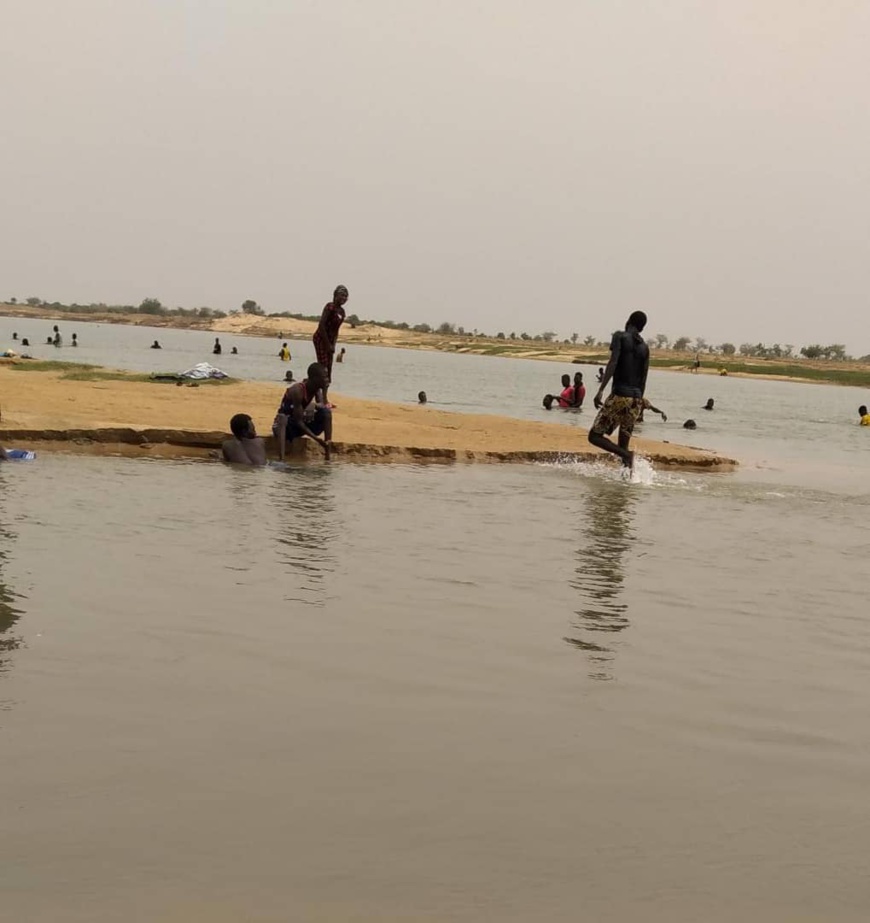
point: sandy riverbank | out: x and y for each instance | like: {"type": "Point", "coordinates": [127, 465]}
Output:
{"type": "Point", "coordinates": [43, 409]}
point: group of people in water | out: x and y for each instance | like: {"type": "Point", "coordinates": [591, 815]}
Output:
{"type": "Point", "coordinates": [55, 339]}
{"type": "Point", "coordinates": [304, 410]}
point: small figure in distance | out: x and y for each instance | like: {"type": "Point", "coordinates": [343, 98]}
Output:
{"type": "Point", "coordinates": [49, 341]}
{"type": "Point", "coordinates": [628, 367]}
{"type": "Point", "coordinates": [216, 349]}
{"type": "Point", "coordinates": [75, 341]}
{"type": "Point", "coordinates": [709, 404]}
{"type": "Point", "coordinates": [600, 376]}
{"type": "Point", "coordinates": [697, 363]}
{"type": "Point", "coordinates": [156, 345]}
{"type": "Point", "coordinates": [723, 372]}
{"type": "Point", "coordinates": [288, 376]}
{"type": "Point", "coordinates": [690, 424]}
{"type": "Point", "coordinates": [295, 418]}
{"type": "Point", "coordinates": [864, 416]}
{"type": "Point", "coordinates": [340, 356]}
{"type": "Point", "coordinates": [14, 336]}
{"type": "Point", "coordinates": [234, 351]}
{"type": "Point", "coordinates": [284, 353]}
{"type": "Point", "coordinates": [421, 398]}
{"type": "Point", "coordinates": [58, 340]}
{"type": "Point", "coordinates": [579, 390]}
{"type": "Point", "coordinates": [245, 447]}
{"type": "Point", "coordinates": [25, 342]}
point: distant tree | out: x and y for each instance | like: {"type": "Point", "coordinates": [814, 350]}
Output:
{"type": "Point", "coordinates": [589, 341]}
{"type": "Point", "coordinates": [446, 329]}
{"type": "Point", "coordinates": [537, 338]}
{"type": "Point", "coordinates": [513, 336]}
{"type": "Point", "coordinates": [421, 328]}
{"type": "Point", "coordinates": [813, 352]}
{"type": "Point", "coordinates": [353, 320]}
{"type": "Point", "coordinates": [151, 306]}
{"type": "Point", "coordinates": [499, 335]}
{"type": "Point", "coordinates": [700, 345]}
{"type": "Point", "coordinates": [34, 302]}
{"type": "Point", "coordinates": [728, 349]}
{"type": "Point", "coordinates": [251, 307]}
{"type": "Point", "coordinates": [574, 338]}
{"type": "Point", "coordinates": [548, 336]}
{"type": "Point", "coordinates": [13, 301]}
{"type": "Point", "coordinates": [681, 344]}
{"type": "Point", "coordinates": [747, 349]}
{"type": "Point", "coordinates": [524, 336]}
{"type": "Point", "coordinates": [788, 351]}
{"type": "Point", "coordinates": [662, 342]}
{"type": "Point", "coordinates": [461, 331]}
{"type": "Point", "coordinates": [837, 352]}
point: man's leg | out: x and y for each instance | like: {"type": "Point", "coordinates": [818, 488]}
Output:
{"type": "Point", "coordinates": [624, 440]}
{"type": "Point", "coordinates": [602, 442]}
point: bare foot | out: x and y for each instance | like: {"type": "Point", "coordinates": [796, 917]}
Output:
{"type": "Point", "coordinates": [629, 462]}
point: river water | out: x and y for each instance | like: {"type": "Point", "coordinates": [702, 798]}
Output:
{"type": "Point", "coordinates": [400, 693]}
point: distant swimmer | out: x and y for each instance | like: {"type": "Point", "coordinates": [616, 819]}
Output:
{"type": "Point", "coordinates": [156, 345]}
{"type": "Point", "coordinates": [234, 351]}
{"type": "Point", "coordinates": [628, 367]}
{"type": "Point", "coordinates": [58, 340]}
{"type": "Point", "coordinates": [25, 342]}
{"type": "Point", "coordinates": [245, 447]}
{"type": "Point", "coordinates": [75, 340]}
{"type": "Point", "coordinates": [288, 375]}
{"type": "Point", "coordinates": [865, 417]}
{"type": "Point", "coordinates": [340, 356]}
{"type": "Point", "coordinates": [600, 376]}
{"type": "Point", "coordinates": [421, 398]}
{"type": "Point", "coordinates": [14, 336]}
{"type": "Point", "coordinates": [49, 341]}
{"type": "Point", "coordinates": [690, 424]}
{"type": "Point", "coordinates": [579, 394]}
{"type": "Point", "coordinates": [697, 363]}
{"type": "Point", "coordinates": [709, 404]}
{"type": "Point", "coordinates": [216, 349]}
{"type": "Point", "coordinates": [299, 415]}
{"type": "Point", "coordinates": [326, 336]}
{"type": "Point", "coordinates": [284, 353]}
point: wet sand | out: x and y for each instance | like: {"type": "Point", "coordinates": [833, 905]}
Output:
{"type": "Point", "coordinates": [42, 409]}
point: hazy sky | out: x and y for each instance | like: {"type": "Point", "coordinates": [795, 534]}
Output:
{"type": "Point", "coordinates": [502, 164]}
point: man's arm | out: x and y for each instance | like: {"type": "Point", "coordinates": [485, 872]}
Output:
{"type": "Point", "coordinates": [661, 413]}
{"type": "Point", "coordinates": [645, 372]}
{"type": "Point", "coordinates": [615, 349]}
{"type": "Point", "coordinates": [299, 419]}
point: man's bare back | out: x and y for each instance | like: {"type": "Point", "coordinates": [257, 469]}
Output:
{"type": "Point", "coordinates": [245, 447]}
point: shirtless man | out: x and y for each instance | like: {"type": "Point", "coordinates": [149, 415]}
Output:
{"type": "Point", "coordinates": [294, 418]}
{"type": "Point", "coordinates": [628, 367]}
{"type": "Point", "coordinates": [245, 447]}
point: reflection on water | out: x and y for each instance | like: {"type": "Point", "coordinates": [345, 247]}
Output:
{"type": "Point", "coordinates": [9, 615]}
{"type": "Point", "coordinates": [607, 536]}
{"type": "Point", "coordinates": [306, 527]}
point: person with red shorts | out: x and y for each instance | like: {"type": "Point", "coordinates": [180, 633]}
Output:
{"type": "Point", "coordinates": [326, 335]}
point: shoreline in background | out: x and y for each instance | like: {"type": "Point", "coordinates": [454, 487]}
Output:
{"type": "Point", "coordinates": [100, 411]}
{"type": "Point", "coordinates": [854, 374]}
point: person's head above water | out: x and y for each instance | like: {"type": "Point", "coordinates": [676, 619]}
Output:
{"type": "Point", "coordinates": [548, 401]}
{"type": "Point", "coordinates": [862, 410]}
{"type": "Point", "coordinates": [709, 404]}
{"type": "Point", "coordinates": [690, 424]}
{"type": "Point", "coordinates": [421, 397]}
{"type": "Point", "coordinates": [340, 295]}
{"type": "Point", "coordinates": [242, 427]}
{"type": "Point", "coordinates": [566, 381]}
{"type": "Point", "coordinates": [288, 375]}
{"type": "Point", "coordinates": [637, 319]}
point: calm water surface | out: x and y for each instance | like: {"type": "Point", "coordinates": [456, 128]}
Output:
{"type": "Point", "coordinates": [432, 693]}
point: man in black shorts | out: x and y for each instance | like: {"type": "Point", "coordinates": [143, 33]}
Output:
{"type": "Point", "coordinates": [628, 367]}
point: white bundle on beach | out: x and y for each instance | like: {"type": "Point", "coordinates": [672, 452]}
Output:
{"type": "Point", "coordinates": [203, 370]}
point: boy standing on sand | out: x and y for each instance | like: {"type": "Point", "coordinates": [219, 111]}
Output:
{"type": "Point", "coordinates": [628, 367]}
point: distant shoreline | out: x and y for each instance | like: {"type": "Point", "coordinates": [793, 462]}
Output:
{"type": "Point", "coordinates": [850, 374]}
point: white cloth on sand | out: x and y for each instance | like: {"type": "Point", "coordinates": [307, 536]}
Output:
{"type": "Point", "coordinates": [203, 370]}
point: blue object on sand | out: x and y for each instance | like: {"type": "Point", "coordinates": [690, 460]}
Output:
{"type": "Point", "coordinates": [20, 455]}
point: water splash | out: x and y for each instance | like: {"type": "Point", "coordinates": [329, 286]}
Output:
{"type": "Point", "coordinates": [643, 474]}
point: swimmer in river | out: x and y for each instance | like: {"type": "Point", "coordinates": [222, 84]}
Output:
{"type": "Point", "coordinates": [690, 424]}
{"type": "Point", "coordinates": [600, 376]}
{"type": "Point", "coordinates": [156, 345]}
{"type": "Point", "coordinates": [421, 398]}
{"type": "Point", "coordinates": [647, 405]}
{"type": "Point", "coordinates": [14, 336]}
{"type": "Point", "coordinates": [284, 353]}
{"type": "Point", "coordinates": [709, 404]}
{"type": "Point", "coordinates": [579, 389]}
{"type": "Point", "coordinates": [245, 447]}
{"type": "Point", "coordinates": [75, 341]}
{"type": "Point", "coordinates": [216, 349]}
{"type": "Point", "coordinates": [234, 351]}
{"type": "Point", "coordinates": [25, 342]}
{"type": "Point", "coordinates": [628, 367]}
{"type": "Point", "coordinates": [340, 356]}
{"type": "Point", "coordinates": [288, 376]}
{"type": "Point", "coordinates": [864, 416]}
{"type": "Point", "coordinates": [299, 414]}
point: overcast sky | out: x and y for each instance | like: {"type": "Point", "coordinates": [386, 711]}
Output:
{"type": "Point", "coordinates": [501, 164]}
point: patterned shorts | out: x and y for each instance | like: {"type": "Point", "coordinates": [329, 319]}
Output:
{"type": "Point", "coordinates": [619, 412]}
